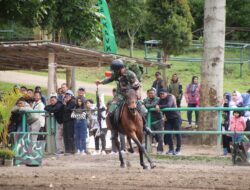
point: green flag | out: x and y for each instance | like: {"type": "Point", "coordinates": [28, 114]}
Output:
{"type": "Point", "coordinates": [108, 33]}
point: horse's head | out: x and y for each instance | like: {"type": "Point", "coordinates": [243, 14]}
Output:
{"type": "Point", "coordinates": [131, 99]}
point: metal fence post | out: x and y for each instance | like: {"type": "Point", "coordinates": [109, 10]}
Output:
{"type": "Point", "coordinates": [219, 129]}
{"type": "Point", "coordinates": [148, 137]}
{"type": "Point", "coordinates": [24, 122]}
{"type": "Point", "coordinates": [49, 140]}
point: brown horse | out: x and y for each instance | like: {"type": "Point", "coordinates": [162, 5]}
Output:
{"type": "Point", "coordinates": [131, 124]}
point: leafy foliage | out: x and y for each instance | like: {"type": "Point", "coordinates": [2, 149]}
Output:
{"type": "Point", "coordinates": [76, 20]}
{"type": "Point", "coordinates": [128, 17]}
{"type": "Point", "coordinates": [237, 15]}
{"type": "Point", "coordinates": [28, 12]}
{"type": "Point", "coordinates": [7, 102]}
{"type": "Point", "coordinates": [7, 153]}
{"type": "Point", "coordinates": [170, 21]}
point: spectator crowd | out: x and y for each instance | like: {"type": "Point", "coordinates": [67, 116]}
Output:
{"type": "Point", "coordinates": [77, 117]}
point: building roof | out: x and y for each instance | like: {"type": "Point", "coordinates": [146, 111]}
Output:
{"type": "Point", "coordinates": [34, 55]}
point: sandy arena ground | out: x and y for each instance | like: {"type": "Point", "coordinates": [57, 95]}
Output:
{"type": "Point", "coordinates": [103, 172]}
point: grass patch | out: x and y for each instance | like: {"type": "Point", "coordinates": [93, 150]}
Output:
{"type": "Point", "coordinates": [185, 71]}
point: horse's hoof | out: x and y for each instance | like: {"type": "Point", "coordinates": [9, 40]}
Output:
{"type": "Point", "coordinates": [145, 167]}
{"type": "Point", "coordinates": [152, 165]}
{"type": "Point", "coordinates": [130, 150]}
{"type": "Point", "coordinates": [123, 166]}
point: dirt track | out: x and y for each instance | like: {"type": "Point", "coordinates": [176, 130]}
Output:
{"type": "Point", "coordinates": [103, 172]}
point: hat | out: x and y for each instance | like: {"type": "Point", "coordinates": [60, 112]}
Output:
{"type": "Point", "coordinates": [163, 90]}
{"type": "Point", "coordinates": [69, 92]}
{"type": "Point", "coordinates": [81, 88]}
{"type": "Point", "coordinates": [53, 94]}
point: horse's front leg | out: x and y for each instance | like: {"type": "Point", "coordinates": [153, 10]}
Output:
{"type": "Point", "coordinates": [130, 149]}
{"type": "Point", "coordinates": [142, 151]}
{"type": "Point", "coordinates": [117, 143]}
{"type": "Point", "coordinates": [141, 159]}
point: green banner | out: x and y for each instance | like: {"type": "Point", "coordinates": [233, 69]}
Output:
{"type": "Point", "coordinates": [108, 33]}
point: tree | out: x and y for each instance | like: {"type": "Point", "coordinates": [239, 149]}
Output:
{"type": "Point", "coordinates": [237, 15]}
{"type": "Point", "coordinates": [170, 21]}
{"type": "Point", "coordinates": [128, 16]}
{"type": "Point", "coordinates": [28, 12]}
{"type": "Point", "coordinates": [213, 64]}
{"type": "Point", "coordinates": [73, 22]}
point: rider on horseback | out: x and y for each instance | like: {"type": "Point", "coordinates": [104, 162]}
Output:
{"type": "Point", "coordinates": [126, 80]}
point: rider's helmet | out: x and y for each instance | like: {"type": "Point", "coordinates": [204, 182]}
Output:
{"type": "Point", "coordinates": [116, 65]}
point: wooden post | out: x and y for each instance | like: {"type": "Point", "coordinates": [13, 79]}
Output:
{"type": "Point", "coordinates": [69, 77]}
{"type": "Point", "coordinates": [73, 80]}
{"type": "Point", "coordinates": [51, 73]}
{"type": "Point", "coordinates": [51, 89]}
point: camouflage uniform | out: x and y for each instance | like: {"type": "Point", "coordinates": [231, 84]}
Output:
{"type": "Point", "coordinates": [124, 82]}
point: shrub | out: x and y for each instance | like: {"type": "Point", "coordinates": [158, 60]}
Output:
{"type": "Point", "coordinates": [7, 153]}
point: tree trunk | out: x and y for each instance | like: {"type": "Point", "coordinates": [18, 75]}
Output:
{"type": "Point", "coordinates": [212, 67]}
{"type": "Point", "coordinates": [58, 36]}
{"type": "Point", "coordinates": [164, 69]}
{"type": "Point", "coordinates": [132, 41]}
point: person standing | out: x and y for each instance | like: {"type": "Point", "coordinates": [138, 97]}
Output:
{"type": "Point", "coordinates": [173, 120]}
{"type": "Point", "coordinates": [157, 122]}
{"type": "Point", "coordinates": [56, 108]}
{"type": "Point", "coordinates": [192, 96]}
{"type": "Point", "coordinates": [81, 93]}
{"type": "Point", "coordinates": [43, 98]}
{"type": "Point", "coordinates": [64, 88]}
{"type": "Point", "coordinates": [175, 88]}
{"type": "Point", "coordinates": [80, 126]}
{"type": "Point", "coordinates": [32, 121]}
{"type": "Point", "coordinates": [158, 84]}
{"type": "Point", "coordinates": [39, 106]}
{"type": "Point", "coordinates": [68, 122]}
{"type": "Point", "coordinates": [237, 124]}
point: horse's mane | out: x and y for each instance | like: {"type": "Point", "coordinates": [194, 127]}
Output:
{"type": "Point", "coordinates": [131, 93]}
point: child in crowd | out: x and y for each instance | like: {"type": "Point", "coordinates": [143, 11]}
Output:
{"type": "Point", "coordinates": [80, 126]}
{"type": "Point", "coordinates": [237, 124]}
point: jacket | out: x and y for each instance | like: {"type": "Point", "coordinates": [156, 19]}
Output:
{"type": "Point", "coordinates": [175, 88]}
{"type": "Point", "coordinates": [41, 116]}
{"type": "Point", "coordinates": [193, 95]}
{"type": "Point", "coordinates": [237, 124]}
{"type": "Point", "coordinates": [30, 118]}
{"type": "Point", "coordinates": [151, 103]}
{"type": "Point", "coordinates": [57, 110]}
{"type": "Point", "coordinates": [169, 102]}
{"type": "Point", "coordinates": [68, 108]}
{"type": "Point", "coordinates": [158, 85]}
